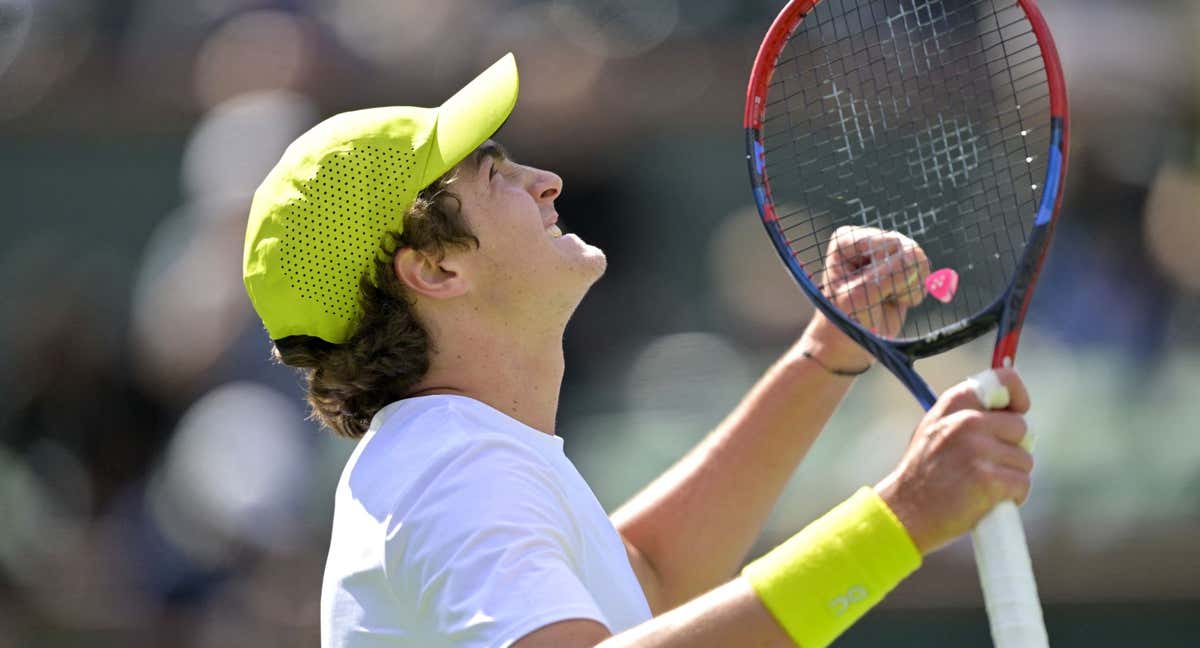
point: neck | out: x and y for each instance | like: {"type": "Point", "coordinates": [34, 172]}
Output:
{"type": "Point", "coordinates": [509, 368]}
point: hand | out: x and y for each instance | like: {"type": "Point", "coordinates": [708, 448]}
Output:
{"type": "Point", "coordinates": [875, 277]}
{"type": "Point", "coordinates": [961, 462]}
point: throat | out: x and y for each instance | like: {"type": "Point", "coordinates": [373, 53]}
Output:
{"type": "Point", "coordinates": [524, 386]}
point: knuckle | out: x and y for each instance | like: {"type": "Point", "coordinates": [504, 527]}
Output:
{"type": "Point", "coordinates": [1020, 427]}
{"type": "Point", "coordinates": [971, 420]}
{"type": "Point", "coordinates": [957, 427]}
{"type": "Point", "coordinates": [983, 471]}
{"type": "Point", "coordinates": [960, 397]}
{"type": "Point", "coordinates": [1009, 427]}
{"type": "Point", "coordinates": [979, 444]}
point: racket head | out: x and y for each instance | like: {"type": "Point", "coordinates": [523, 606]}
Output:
{"type": "Point", "coordinates": [945, 120]}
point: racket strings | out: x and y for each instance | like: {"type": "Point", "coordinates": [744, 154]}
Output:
{"type": "Point", "coordinates": [1035, 86]}
{"type": "Point", "coordinates": [796, 59]}
{"type": "Point", "coordinates": [983, 199]}
{"type": "Point", "coordinates": [927, 118]}
{"type": "Point", "coordinates": [990, 196]}
{"type": "Point", "coordinates": [829, 64]}
{"type": "Point", "coordinates": [1003, 124]}
{"type": "Point", "coordinates": [801, 166]}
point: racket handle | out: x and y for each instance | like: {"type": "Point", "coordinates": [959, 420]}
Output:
{"type": "Point", "coordinates": [1006, 576]}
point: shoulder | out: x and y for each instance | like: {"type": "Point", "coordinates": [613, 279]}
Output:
{"type": "Point", "coordinates": [423, 438]}
{"type": "Point", "coordinates": [477, 531]}
{"type": "Point", "coordinates": [442, 469]}
{"type": "Point", "coordinates": [483, 480]}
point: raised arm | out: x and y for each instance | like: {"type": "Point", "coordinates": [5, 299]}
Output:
{"type": "Point", "coordinates": [691, 528]}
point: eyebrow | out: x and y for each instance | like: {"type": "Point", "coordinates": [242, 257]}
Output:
{"type": "Point", "coordinates": [490, 149]}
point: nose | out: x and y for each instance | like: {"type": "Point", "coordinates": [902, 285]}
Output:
{"type": "Point", "coordinates": [546, 186]}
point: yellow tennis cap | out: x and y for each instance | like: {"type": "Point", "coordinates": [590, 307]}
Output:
{"type": "Point", "coordinates": [319, 219]}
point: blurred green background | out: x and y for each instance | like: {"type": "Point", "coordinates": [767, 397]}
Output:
{"type": "Point", "coordinates": [160, 486]}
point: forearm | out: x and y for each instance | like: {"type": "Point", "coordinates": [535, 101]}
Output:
{"type": "Point", "coordinates": [731, 615]}
{"type": "Point", "coordinates": [805, 592]}
{"type": "Point", "coordinates": [695, 524]}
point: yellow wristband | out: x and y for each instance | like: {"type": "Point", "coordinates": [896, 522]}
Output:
{"type": "Point", "coordinates": [820, 581]}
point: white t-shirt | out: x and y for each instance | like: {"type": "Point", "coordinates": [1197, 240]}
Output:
{"type": "Point", "coordinates": [456, 525]}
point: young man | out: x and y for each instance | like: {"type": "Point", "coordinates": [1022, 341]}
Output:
{"type": "Point", "coordinates": [419, 276]}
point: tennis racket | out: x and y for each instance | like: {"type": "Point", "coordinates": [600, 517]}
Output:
{"type": "Point", "coordinates": [944, 122]}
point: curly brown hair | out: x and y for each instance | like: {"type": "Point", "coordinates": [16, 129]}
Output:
{"type": "Point", "coordinates": [389, 352]}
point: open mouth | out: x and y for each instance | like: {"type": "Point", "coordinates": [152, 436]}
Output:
{"type": "Point", "coordinates": [554, 231]}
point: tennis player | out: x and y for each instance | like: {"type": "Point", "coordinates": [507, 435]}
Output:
{"type": "Point", "coordinates": [418, 275]}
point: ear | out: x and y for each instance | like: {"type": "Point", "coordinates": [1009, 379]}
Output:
{"type": "Point", "coordinates": [427, 275]}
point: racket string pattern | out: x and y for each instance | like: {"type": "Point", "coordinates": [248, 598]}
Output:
{"type": "Point", "coordinates": [913, 116]}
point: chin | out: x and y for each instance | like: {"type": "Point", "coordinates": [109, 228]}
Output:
{"type": "Point", "coordinates": [585, 272]}
{"type": "Point", "coordinates": [596, 262]}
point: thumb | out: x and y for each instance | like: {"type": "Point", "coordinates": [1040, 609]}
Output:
{"type": "Point", "coordinates": [990, 391]}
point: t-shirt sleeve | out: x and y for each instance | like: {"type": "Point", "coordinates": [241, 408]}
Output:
{"type": "Point", "coordinates": [487, 549]}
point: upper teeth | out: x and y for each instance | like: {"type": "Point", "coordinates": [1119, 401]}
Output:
{"type": "Point", "coordinates": [554, 231]}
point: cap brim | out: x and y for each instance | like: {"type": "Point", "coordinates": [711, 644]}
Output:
{"type": "Point", "coordinates": [472, 116]}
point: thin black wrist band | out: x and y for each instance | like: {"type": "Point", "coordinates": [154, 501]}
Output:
{"type": "Point", "coordinates": [836, 372]}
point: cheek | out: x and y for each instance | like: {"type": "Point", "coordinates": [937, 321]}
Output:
{"type": "Point", "coordinates": [508, 223]}
{"type": "Point", "coordinates": [511, 246]}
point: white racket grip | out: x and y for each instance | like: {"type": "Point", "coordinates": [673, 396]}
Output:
{"type": "Point", "coordinates": [1006, 576]}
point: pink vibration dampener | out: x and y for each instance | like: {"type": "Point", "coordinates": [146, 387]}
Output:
{"type": "Point", "coordinates": [942, 285]}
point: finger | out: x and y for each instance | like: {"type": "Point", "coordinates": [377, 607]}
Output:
{"type": "Point", "coordinates": [859, 296]}
{"type": "Point", "coordinates": [901, 270]}
{"type": "Point", "coordinates": [912, 291]}
{"type": "Point", "coordinates": [916, 269]}
{"type": "Point", "coordinates": [1018, 395]}
{"type": "Point", "coordinates": [854, 246]}
{"type": "Point", "coordinates": [959, 397]}
{"type": "Point", "coordinates": [875, 282]}
{"type": "Point", "coordinates": [987, 388]}
{"type": "Point", "coordinates": [892, 261]}
{"type": "Point", "coordinates": [863, 240]}
{"type": "Point", "coordinates": [1005, 426]}
{"type": "Point", "coordinates": [1000, 449]}
{"type": "Point", "coordinates": [989, 391]}
{"type": "Point", "coordinates": [892, 317]}
{"type": "Point", "coordinates": [1004, 483]}
{"type": "Point", "coordinates": [1013, 456]}
{"type": "Point", "coordinates": [849, 247]}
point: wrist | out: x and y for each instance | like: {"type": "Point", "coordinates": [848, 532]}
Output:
{"type": "Point", "coordinates": [824, 578]}
{"type": "Point", "coordinates": [909, 515]}
{"type": "Point", "coordinates": [826, 345]}
{"type": "Point", "coordinates": [844, 373]}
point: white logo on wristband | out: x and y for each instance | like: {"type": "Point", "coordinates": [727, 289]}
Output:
{"type": "Point", "coordinates": [840, 604]}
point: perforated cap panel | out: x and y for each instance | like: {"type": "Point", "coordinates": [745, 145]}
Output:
{"type": "Point", "coordinates": [335, 230]}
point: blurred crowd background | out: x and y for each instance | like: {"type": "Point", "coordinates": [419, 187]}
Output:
{"type": "Point", "coordinates": [160, 485]}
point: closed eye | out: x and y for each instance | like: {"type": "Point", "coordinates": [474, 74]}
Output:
{"type": "Point", "coordinates": [491, 152]}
